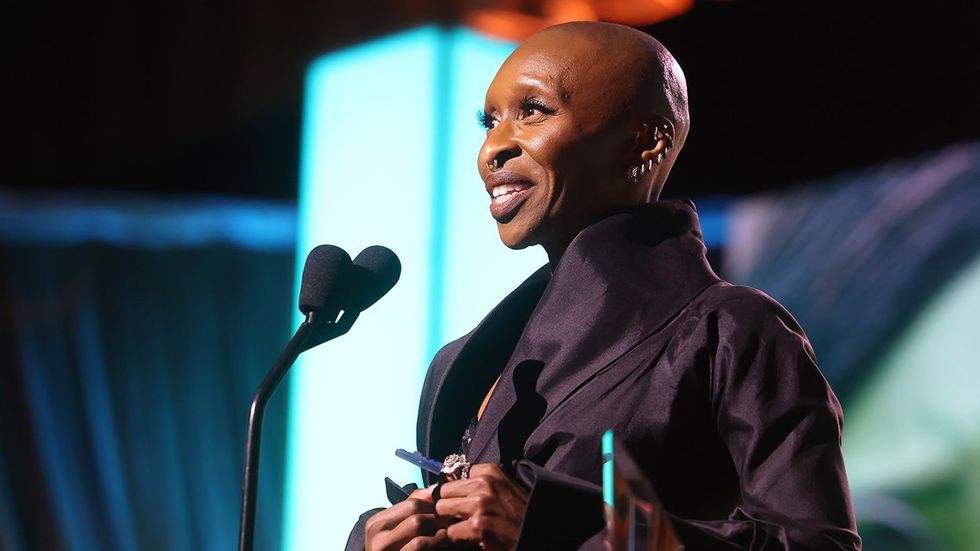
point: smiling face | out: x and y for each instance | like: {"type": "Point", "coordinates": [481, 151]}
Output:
{"type": "Point", "coordinates": [559, 140]}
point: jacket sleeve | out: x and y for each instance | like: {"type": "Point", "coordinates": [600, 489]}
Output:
{"type": "Point", "coordinates": [781, 424]}
{"type": "Point", "coordinates": [563, 512]}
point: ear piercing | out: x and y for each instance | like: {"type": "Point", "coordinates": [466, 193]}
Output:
{"type": "Point", "coordinates": [636, 172]}
{"type": "Point", "coordinates": [666, 137]}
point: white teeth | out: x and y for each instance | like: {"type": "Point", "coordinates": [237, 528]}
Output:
{"type": "Point", "coordinates": [507, 189]}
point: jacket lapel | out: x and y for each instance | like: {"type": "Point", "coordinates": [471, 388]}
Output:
{"type": "Point", "coordinates": [620, 281]}
{"type": "Point", "coordinates": [461, 377]}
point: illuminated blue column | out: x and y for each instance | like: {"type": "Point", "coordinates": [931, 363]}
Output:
{"type": "Point", "coordinates": [389, 157]}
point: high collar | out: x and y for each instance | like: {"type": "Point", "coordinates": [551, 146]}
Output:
{"type": "Point", "coordinates": [620, 280]}
{"type": "Point", "coordinates": [653, 249]}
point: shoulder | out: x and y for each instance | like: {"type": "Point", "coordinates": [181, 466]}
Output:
{"type": "Point", "coordinates": [747, 309]}
{"type": "Point", "coordinates": [758, 350]}
{"type": "Point", "coordinates": [743, 302]}
{"type": "Point", "coordinates": [450, 350]}
{"type": "Point", "coordinates": [748, 320]}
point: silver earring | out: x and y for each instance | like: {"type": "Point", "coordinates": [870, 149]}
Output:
{"type": "Point", "coordinates": [667, 147]}
{"type": "Point", "coordinates": [634, 173]}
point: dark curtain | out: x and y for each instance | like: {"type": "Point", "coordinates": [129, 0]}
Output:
{"type": "Point", "coordinates": [127, 375]}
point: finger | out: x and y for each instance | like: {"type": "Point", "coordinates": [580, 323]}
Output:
{"type": "Point", "coordinates": [461, 507]}
{"type": "Point", "coordinates": [412, 527]}
{"type": "Point", "coordinates": [461, 488]}
{"type": "Point", "coordinates": [480, 530]}
{"type": "Point", "coordinates": [492, 470]}
{"type": "Point", "coordinates": [392, 516]}
{"type": "Point", "coordinates": [437, 541]}
{"type": "Point", "coordinates": [481, 474]}
{"type": "Point", "coordinates": [424, 494]}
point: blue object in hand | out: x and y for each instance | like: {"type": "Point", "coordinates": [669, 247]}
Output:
{"type": "Point", "coordinates": [420, 461]}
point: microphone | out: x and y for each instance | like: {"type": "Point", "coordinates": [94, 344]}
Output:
{"type": "Point", "coordinates": [331, 286]}
{"type": "Point", "coordinates": [375, 271]}
{"type": "Point", "coordinates": [324, 274]}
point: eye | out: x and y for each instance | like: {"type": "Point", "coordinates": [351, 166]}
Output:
{"type": "Point", "coordinates": [488, 122]}
{"type": "Point", "coordinates": [530, 107]}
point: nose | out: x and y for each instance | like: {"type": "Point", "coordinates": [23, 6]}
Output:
{"type": "Point", "coordinates": [499, 148]}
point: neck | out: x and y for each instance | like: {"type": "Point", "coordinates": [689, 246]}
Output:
{"type": "Point", "coordinates": [555, 251]}
{"type": "Point", "coordinates": [556, 246]}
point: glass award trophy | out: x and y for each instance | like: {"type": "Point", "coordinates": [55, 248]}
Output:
{"type": "Point", "coordinates": [635, 519]}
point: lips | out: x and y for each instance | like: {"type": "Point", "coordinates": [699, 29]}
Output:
{"type": "Point", "coordinates": [508, 191]}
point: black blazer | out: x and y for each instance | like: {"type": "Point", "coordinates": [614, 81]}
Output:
{"type": "Point", "coordinates": [713, 388]}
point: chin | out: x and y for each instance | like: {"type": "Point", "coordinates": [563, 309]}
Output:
{"type": "Point", "coordinates": [515, 238]}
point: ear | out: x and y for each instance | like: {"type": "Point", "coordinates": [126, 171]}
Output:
{"type": "Point", "coordinates": [656, 139]}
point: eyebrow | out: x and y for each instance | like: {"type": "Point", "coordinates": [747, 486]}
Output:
{"type": "Point", "coordinates": [561, 82]}
{"type": "Point", "coordinates": [551, 83]}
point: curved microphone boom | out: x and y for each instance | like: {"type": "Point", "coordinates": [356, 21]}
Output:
{"type": "Point", "coordinates": [332, 286]}
{"type": "Point", "coordinates": [324, 275]}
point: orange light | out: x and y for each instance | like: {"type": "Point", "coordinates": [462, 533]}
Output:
{"type": "Point", "coordinates": [502, 20]}
{"type": "Point", "coordinates": [640, 13]}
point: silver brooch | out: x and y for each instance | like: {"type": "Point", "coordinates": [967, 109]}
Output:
{"type": "Point", "coordinates": [455, 467]}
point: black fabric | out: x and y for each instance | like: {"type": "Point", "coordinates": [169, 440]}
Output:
{"type": "Point", "coordinates": [582, 510]}
{"type": "Point", "coordinates": [487, 349]}
{"type": "Point", "coordinates": [713, 388]}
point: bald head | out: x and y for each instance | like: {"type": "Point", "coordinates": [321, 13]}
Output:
{"type": "Point", "coordinates": [632, 65]}
{"type": "Point", "coordinates": [617, 73]}
{"type": "Point", "coordinates": [582, 119]}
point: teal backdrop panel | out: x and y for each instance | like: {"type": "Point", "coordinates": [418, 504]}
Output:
{"type": "Point", "coordinates": [480, 270]}
{"type": "Point", "coordinates": [389, 157]}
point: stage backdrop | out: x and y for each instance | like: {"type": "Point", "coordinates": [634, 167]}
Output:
{"type": "Point", "coordinates": [390, 138]}
{"type": "Point", "coordinates": [133, 332]}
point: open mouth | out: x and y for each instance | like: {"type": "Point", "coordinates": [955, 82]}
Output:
{"type": "Point", "coordinates": [507, 199]}
{"type": "Point", "coordinates": [508, 190]}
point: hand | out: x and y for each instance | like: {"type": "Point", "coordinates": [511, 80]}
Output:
{"type": "Point", "coordinates": [486, 509]}
{"type": "Point", "coordinates": [410, 525]}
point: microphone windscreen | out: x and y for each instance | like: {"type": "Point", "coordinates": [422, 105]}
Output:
{"type": "Point", "coordinates": [324, 276]}
{"type": "Point", "coordinates": [375, 272]}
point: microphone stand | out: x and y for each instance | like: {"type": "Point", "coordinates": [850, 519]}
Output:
{"type": "Point", "coordinates": [312, 332]}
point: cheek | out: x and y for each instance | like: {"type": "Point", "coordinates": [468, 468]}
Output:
{"type": "Point", "coordinates": [573, 156]}
{"type": "Point", "coordinates": [554, 171]}
{"type": "Point", "coordinates": [549, 148]}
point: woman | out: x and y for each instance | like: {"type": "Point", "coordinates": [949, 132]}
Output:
{"type": "Point", "coordinates": [713, 387]}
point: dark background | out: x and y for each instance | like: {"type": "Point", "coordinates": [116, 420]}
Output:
{"type": "Point", "coordinates": [189, 96]}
